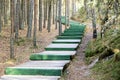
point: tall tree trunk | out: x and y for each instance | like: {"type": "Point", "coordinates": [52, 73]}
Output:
{"type": "Point", "coordinates": [40, 15]}
{"type": "Point", "coordinates": [53, 12]}
{"type": "Point", "coordinates": [45, 13]}
{"type": "Point", "coordinates": [0, 16]}
{"type": "Point", "coordinates": [47, 5]}
{"type": "Point", "coordinates": [2, 11]}
{"type": "Point", "coordinates": [68, 13]}
{"type": "Point", "coordinates": [25, 12]}
{"type": "Point", "coordinates": [17, 20]}
{"type": "Point", "coordinates": [65, 14]}
{"type": "Point", "coordinates": [60, 25]}
{"type": "Point", "coordinates": [12, 30]}
{"type": "Point", "coordinates": [5, 12]}
{"type": "Point", "coordinates": [30, 15]}
{"type": "Point", "coordinates": [94, 24]}
{"type": "Point", "coordinates": [56, 22]}
{"type": "Point", "coordinates": [22, 14]}
{"type": "Point", "coordinates": [28, 9]}
{"type": "Point", "coordinates": [35, 23]}
{"type": "Point", "coordinates": [49, 17]}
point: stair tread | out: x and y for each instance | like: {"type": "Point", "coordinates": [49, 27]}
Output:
{"type": "Point", "coordinates": [43, 64]}
{"type": "Point", "coordinates": [67, 40]}
{"type": "Point", "coordinates": [29, 77]}
{"type": "Point", "coordinates": [62, 46]}
{"type": "Point", "coordinates": [57, 53]}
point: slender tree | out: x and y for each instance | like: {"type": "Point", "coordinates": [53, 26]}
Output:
{"type": "Point", "coordinates": [25, 12]}
{"type": "Point", "coordinates": [68, 13]}
{"type": "Point", "coordinates": [49, 16]}
{"type": "Point", "coordinates": [22, 14]}
{"type": "Point", "coordinates": [5, 11]}
{"type": "Point", "coordinates": [56, 22]}
{"type": "Point", "coordinates": [0, 16]}
{"type": "Point", "coordinates": [12, 30]}
{"type": "Point", "coordinates": [60, 25]}
{"type": "Point", "coordinates": [30, 18]}
{"type": "Point", "coordinates": [45, 13]}
{"type": "Point", "coordinates": [65, 13]}
{"type": "Point", "coordinates": [35, 23]}
{"type": "Point", "coordinates": [94, 23]}
{"type": "Point", "coordinates": [40, 15]}
{"type": "Point", "coordinates": [53, 12]}
{"type": "Point", "coordinates": [17, 25]}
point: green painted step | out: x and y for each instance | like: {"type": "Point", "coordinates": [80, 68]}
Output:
{"type": "Point", "coordinates": [53, 55]}
{"type": "Point", "coordinates": [61, 47]}
{"type": "Point", "coordinates": [46, 68]}
{"type": "Point", "coordinates": [49, 57]}
{"type": "Point", "coordinates": [47, 71]}
{"type": "Point", "coordinates": [67, 41]}
{"type": "Point", "coordinates": [74, 31]}
{"type": "Point", "coordinates": [71, 34]}
{"type": "Point", "coordinates": [69, 37]}
{"type": "Point", "coordinates": [29, 77]}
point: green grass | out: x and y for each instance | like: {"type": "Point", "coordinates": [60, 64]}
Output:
{"type": "Point", "coordinates": [98, 46]}
{"type": "Point", "coordinates": [104, 69]}
{"type": "Point", "coordinates": [107, 70]}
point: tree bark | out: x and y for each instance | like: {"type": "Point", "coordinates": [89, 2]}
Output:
{"type": "Point", "coordinates": [30, 17]}
{"type": "Point", "coordinates": [0, 16]}
{"type": "Point", "coordinates": [17, 25]}
{"type": "Point", "coordinates": [49, 17]}
{"type": "Point", "coordinates": [56, 22]}
{"type": "Point", "coordinates": [12, 30]}
{"type": "Point", "coordinates": [94, 24]}
{"type": "Point", "coordinates": [53, 12]}
{"type": "Point", "coordinates": [22, 14]}
{"type": "Point", "coordinates": [40, 15]}
{"type": "Point", "coordinates": [66, 14]}
{"type": "Point", "coordinates": [45, 13]}
{"type": "Point", "coordinates": [60, 25]}
{"type": "Point", "coordinates": [35, 23]}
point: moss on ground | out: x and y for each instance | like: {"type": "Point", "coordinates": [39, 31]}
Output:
{"type": "Point", "coordinates": [105, 69]}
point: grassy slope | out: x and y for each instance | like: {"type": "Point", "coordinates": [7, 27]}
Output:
{"type": "Point", "coordinates": [105, 69]}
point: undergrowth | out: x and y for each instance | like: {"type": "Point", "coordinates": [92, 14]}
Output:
{"type": "Point", "coordinates": [106, 68]}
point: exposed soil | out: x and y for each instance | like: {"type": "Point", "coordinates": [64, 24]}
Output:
{"type": "Point", "coordinates": [25, 49]}
{"type": "Point", "coordinates": [78, 69]}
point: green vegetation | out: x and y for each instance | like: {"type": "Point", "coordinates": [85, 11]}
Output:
{"type": "Point", "coordinates": [108, 67]}
{"type": "Point", "coordinates": [107, 70]}
{"type": "Point", "coordinates": [110, 40]}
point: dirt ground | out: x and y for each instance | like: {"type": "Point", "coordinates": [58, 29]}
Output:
{"type": "Point", "coordinates": [23, 51]}
{"type": "Point", "coordinates": [78, 70]}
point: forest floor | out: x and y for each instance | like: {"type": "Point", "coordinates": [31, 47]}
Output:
{"type": "Point", "coordinates": [78, 69]}
{"type": "Point", "coordinates": [24, 49]}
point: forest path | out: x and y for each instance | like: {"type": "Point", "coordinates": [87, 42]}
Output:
{"type": "Point", "coordinates": [77, 69]}
{"type": "Point", "coordinates": [50, 64]}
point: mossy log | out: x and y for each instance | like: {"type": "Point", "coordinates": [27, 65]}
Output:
{"type": "Point", "coordinates": [107, 52]}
